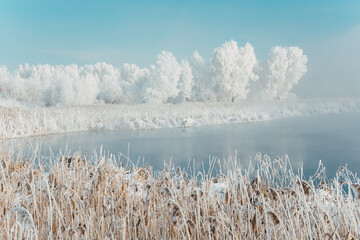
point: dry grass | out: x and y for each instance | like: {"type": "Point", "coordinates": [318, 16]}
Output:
{"type": "Point", "coordinates": [75, 199]}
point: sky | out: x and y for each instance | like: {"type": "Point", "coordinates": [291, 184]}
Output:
{"type": "Point", "coordinates": [117, 32]}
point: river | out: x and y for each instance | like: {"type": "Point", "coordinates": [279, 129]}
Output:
{"type": "Point", "coordinates": [332, 138]}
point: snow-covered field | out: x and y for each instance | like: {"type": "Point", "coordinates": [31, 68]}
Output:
{"type": "Point", "coordinates": [23, 120]}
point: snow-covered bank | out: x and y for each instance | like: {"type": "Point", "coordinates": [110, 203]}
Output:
{"type": "Point", "coordinates": [17, 120]}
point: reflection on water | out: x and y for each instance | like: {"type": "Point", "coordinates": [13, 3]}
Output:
{"type": "Point", "coordinates": [334, 139]}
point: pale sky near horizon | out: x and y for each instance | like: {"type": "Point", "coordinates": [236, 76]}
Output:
{"type": "Point", "coordinates": [117, 32]}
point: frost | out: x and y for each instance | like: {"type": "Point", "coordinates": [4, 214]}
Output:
{"type": "Point", "coordinates": [278, 75]}
{"type": "Point", "coordinates": [232, 71]}
{"type": "Point", "coordinates": [162, 83]}
{"type": "Point", "coordinates": [19, 120]}
{"type": "Point", "coordinates": [232, 74]}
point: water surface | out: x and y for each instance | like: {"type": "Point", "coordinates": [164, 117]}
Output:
{"type": "Point", "coordinates": [333, 138]}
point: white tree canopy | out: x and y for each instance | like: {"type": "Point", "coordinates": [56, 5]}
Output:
{"type": "Point", "coordinates": [232, 71]}
{"type": "Point", "coordinates": [231, 74]}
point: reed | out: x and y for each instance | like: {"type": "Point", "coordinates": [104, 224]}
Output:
{"type": "Point", "coordinates": [72, 198]}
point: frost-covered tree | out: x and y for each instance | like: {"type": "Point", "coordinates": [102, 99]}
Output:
{"type": "Point", "coordinates": [76, 85]}
{"type": "Point", "coordinates": [53, 85]}
{"type": "Point", "coordinates": [226, 77]}
{"type": "Point", "coordinates": [108, 80]}
{"type": "Point", "coordinates": [203, 89]}
{"type": "Point", "coordinates": [133, 78]}
{"type": "Point", "coordinates": [232, 71]}
{"type": "Point", "coordinates": [163, 79]}
{"type": "Point", "coordinates": [64, 92]}
{"type": "Point", "coordinates": [27, 84]}
{"type": "Point", "coordinates": [3, 73]}
{"type": "Point", "coordinates": [185, 83]}
{"type": "Point", "coordinates": [4, 76]}
{"type": "Point", "coordinates": [283, 69]}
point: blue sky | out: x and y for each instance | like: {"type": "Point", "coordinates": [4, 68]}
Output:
{"type": "Point", "coordinates": [63, 32]}
{"type": "Point", "coordinates": [117, 32]}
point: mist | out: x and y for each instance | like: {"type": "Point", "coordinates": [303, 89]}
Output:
{"type": "Point", "coordinates": [333, 67]}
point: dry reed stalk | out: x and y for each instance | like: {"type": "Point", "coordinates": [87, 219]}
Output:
{"type": "Point", "coordinates": [76, 199]}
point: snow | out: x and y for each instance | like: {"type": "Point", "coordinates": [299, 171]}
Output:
{"type": "Point", "coordinates": [23, 120]}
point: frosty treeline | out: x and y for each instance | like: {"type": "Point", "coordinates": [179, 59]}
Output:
{"type": "Point", "coordinates": [232, 74]}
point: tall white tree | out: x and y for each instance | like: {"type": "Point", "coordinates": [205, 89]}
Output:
{"type": "Point", "coordinates": [163, 79]}
{"type": "Point", "coordinates": [133, 79]}
{"type": "Point", "coordinates": [232, 71]}
{"type": "Point", "coordinates": [203, 89]}
{"type": "Point", "coordinates": [284, 68]}
{"type": "Point", "coordinates": [185, 83]}
{"type": "Point", "coordinates": [108, 80]}
{"type": "Point", "coordinates": [4, 78]}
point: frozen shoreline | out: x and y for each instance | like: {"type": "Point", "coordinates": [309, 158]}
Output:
{"type": "Point", "coordinates": [19, 120]}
